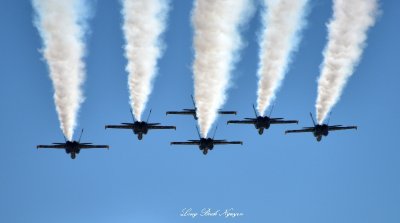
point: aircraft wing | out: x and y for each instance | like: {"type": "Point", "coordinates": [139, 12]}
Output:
{"type": "Point", "coordinates": [278, 121]}
{"type": "Point", "coordinates": [161, 127]}
{"type": "Point", "coordinates": [223, 142]}
{"type": "Point", "coordinates": [59, 146]}
{"type": "Point", "coordinates": [227, 112]}
{"type": "Point", "coordinates": [180, 113]}
{"type": "Point", "coordinates": [334, 128]}
{"type": "Point", "coordinates": [250, 121]}
{"type": "Point", "coordinates": [310, 129]}
{"type": "Point", "coordinates": [83, 146]}
{"type": "Point", "coordinates": [119, 127]}
{"type": "Point", "coordinates": [193, 142]}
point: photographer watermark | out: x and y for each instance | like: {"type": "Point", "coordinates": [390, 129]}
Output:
{"type": "Point", "coordinates": [209, 212]}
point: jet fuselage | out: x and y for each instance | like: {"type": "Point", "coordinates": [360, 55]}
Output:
{"type": "Point", "coordinates": [72, 147]}
{"type": "Point", "coordinates": [140, 127]}
{"type": "Point", "coordinates": [206, 144]}
{"type": "Point", "coordinates": [321, 130]}
{"type": "Point", "coordinates": [263, 122]}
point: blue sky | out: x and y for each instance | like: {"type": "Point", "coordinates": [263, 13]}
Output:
{"type": "Point", "coordinates": [348, 177]}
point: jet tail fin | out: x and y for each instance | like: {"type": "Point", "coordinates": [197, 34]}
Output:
{"type": "Point", "coordinates": [329, 119]}
{"type": "Point", "coordinates": [272, 109]}
{"type": "Point", "coordinates": [80, 136]}
{"type": "Point", "coordinates": [255, 111]}
{"type": "Point", "coordinates": [148, 117]}
{"type": "Point", "coordinates": [194, 104]}
{"type": "Point", "coordinates": [133, 117]}
{"type": "Point", "coordinates": [198, 132]}
{"type": "Point", "coordinates": [215, 131]}
{"type": "Point", "coordinates": [312, 118]}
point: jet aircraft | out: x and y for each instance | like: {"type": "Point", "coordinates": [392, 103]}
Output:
{"type": "Point", "coordinates": [206, 144]}
{"type": "Point", "coordinates": [73, 147]}
{"type": "Point", "coordinates": [320, 130]}
{"type": "Point", "coordinates": [262, 122]}
{"type": "Point", "coordinates": [192, 111]}
{"type": "Point", "coordinates": [140, 128]}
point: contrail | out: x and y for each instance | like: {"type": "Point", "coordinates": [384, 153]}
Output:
{"type": "Point", "coordinates": [144, 22]}
{"type": "Point", "coordinates": [216, 43]}
{"type": "Point", "coordinates": [62, 26]}
{"type": "Point", "coordinates": [283, 21]}
{"type": "Point", "coordinates": [346, 41]}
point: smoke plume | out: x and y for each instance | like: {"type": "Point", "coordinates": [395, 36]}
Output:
{"type": "Point", "coordinates": [346, 41]}
{"type": "Point", "coordinates": [283, 21]}
{"type": "Point", "coordinates": [62, 26]}
{"type": "Point", "coordinates": [144, 22]}
{"type": "Point", "coordinates": [216, 43]}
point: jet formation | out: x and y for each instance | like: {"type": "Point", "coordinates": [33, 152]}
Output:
{"type": "Point", "coordinates": [205, 144]}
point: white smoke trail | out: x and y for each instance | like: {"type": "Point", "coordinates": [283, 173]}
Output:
{"type": "Point", "coordinates": [346, 41]}
{"type": "Point", "coordinates": [216, 42]}
{"type": "Point", "coordinates": [144, 22]}
{"type": "Point", "coordinates": [283, 21]}
{"type": "Point", "coordinates": [62, 26]}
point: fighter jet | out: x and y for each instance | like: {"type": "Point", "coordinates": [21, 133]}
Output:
{"type": "Point", "coordinates": [73, 147]}
{"type": "Point", "coordinates": [140, 128]}
{"type": "Point", "coordinates": [192, 111]}
{"type": "Point", "coordinates": [262, 122]}
{"type": "Point", "coordinates": [206, 144]}
{"type": "Point", "coordinates": [321, 130]}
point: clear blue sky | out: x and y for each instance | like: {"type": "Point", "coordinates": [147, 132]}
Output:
{"type": "Point", "coordinates": [350, 176]}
